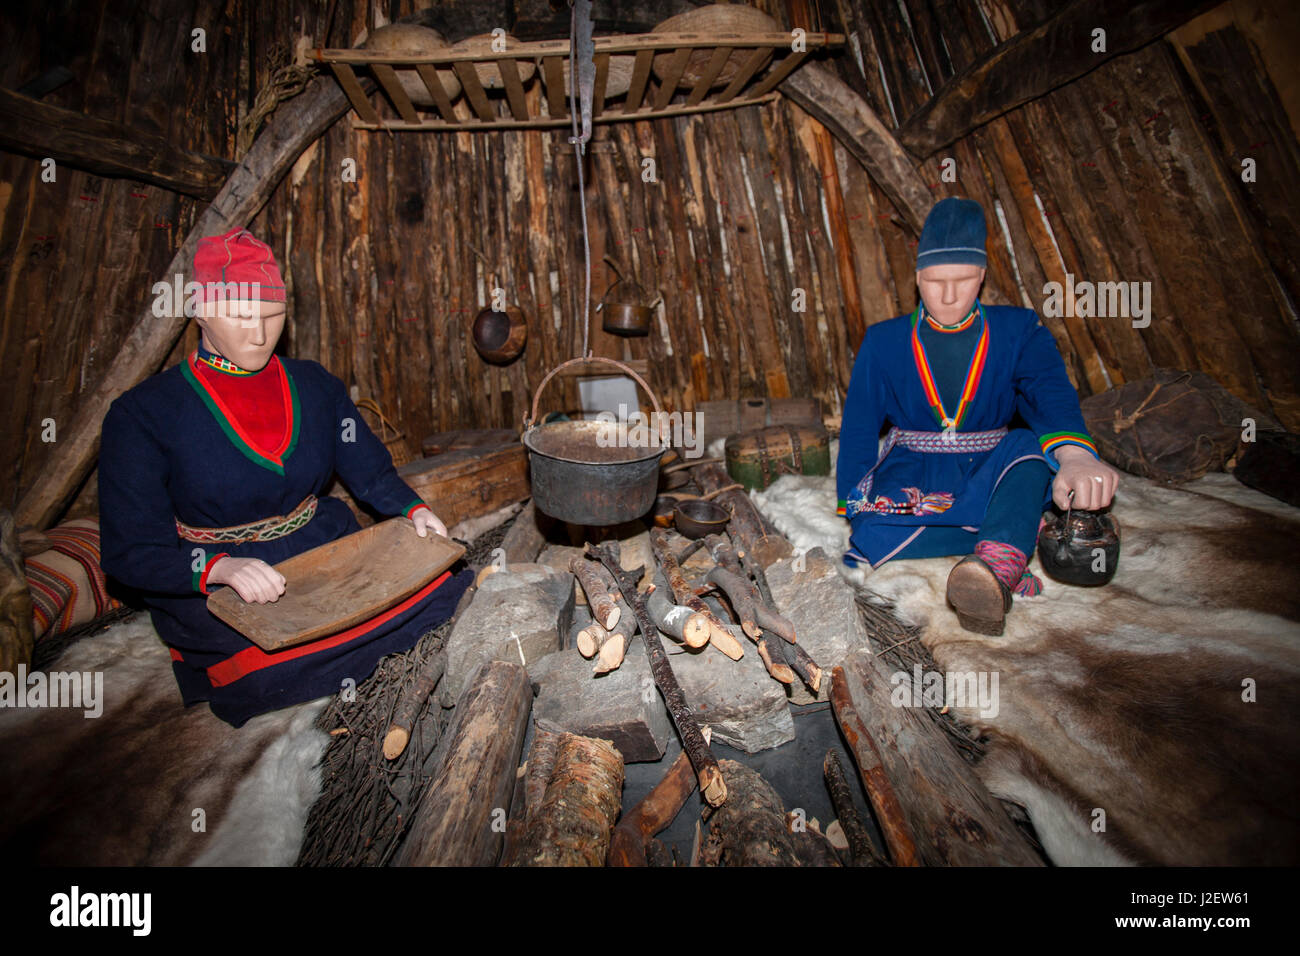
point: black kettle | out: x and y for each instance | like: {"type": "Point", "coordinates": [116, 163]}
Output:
{"type": "Point", "coordinates": [1080, 548]}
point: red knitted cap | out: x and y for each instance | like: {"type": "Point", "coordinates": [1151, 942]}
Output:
{"type": "Point", "coordinates": [240, 257]}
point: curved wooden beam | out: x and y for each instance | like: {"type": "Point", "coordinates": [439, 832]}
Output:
{"type": "Point", "coordinates": [846, 114]}
{"type": "Point", "coordinates": [1037, 61]}
{"type": "Point", "coordinates": [294, 126]}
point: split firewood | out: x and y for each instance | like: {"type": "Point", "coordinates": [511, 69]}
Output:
{"type": "Point", "coordinates": [809, 671]}
{"type": "Point", "coordinates": [595, 639]}
{"type": "Point", "coordinates": [861, 850]}
{"type": "Point", "coordinates": [614, 648]}
{"type": "Point", "coordinates": [707, 772]}
{"type": "Point", "coordinates": [629, 843]}
{"type": "Point", "coordinates": [583, 796]}
{"type": "Point", "coordinates": [750, 829]}
{"type": "Point", "coordinates": [676, 620]}
{"type": "Point", "coordinates": [889, 812]}
{"type": "Point", "coordinates": [801, 661]}
{"type": "Point", "coordinates": [763, 611]}
{"type": "Point", "coordinates": [700, 624]}
{"type": "Point", "coordinates": [683, 593]}
{"type": "Point", "coordinates": [409, 702]}
{"type": "Point", "coordinates": [746, 524]}
{"type": "Point", "coordinates": [603, 606]}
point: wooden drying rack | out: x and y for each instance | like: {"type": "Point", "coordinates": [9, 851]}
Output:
{"type": "Point", "coordinates": [512, 111]}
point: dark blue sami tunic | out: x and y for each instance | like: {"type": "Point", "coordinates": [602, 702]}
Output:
{"type": "Point", "coordinates": [1011, 365]}
{"type": "Point", "coordinates": [169, 451]}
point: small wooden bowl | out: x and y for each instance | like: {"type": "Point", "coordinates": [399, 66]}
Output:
{"type": "Point", "coordinates": [696, 519]}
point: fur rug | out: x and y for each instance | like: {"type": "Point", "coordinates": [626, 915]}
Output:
{"type": "Point", "coordinates": [124, 788]}
{"type": "Point", "coordinates": [1151, 721]}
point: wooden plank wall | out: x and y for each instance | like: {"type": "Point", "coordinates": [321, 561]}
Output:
{"type": "Point", "coordinates": [1129, 174]}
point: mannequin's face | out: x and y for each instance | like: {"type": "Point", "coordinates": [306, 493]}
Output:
{"type": "Point", "coordinates": [949, 291]}
{"type": "Point", "coordinates": [244, 332]}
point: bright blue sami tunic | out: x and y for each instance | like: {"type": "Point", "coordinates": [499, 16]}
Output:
{"type": "Point", "coordinates": [1013, 367]}
{"type": "Point", "coordinates": [172, 451]}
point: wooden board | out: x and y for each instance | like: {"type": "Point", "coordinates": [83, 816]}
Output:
{"type": "Point", "coordinates": [330, 588]}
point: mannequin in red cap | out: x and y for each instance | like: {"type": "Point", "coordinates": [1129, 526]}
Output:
{"type": "Point", "coordinates": [209, 474]}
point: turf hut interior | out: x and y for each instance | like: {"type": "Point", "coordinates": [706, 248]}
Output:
{"type": "Point", "coordinates": [591, 349]}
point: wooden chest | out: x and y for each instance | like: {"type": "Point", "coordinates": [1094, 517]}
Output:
{"type": "Point", "coordinates": [759, 457]}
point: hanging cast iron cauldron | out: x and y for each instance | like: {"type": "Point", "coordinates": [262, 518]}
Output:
{"type": "Point", "coordinates": [1080, 548]}
{"type": "Point", "coordinates": [583, 473]}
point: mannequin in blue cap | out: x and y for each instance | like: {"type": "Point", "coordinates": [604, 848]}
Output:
{"type": "Point", "coordinates": [952, 478]}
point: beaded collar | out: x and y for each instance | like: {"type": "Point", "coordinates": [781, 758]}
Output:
{"type": "Point", "coordinates": [220, 362]}
{"type": "Point", "coordinates": [960, 326]}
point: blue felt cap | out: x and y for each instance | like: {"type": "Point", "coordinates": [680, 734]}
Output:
{"type": "Point", "coordinates": [954, 233]}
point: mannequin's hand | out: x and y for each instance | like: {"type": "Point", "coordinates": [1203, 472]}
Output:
{"type": "Point", "coordinates": [255, 581]}
{"type": "Point", "coordinates": [1093, 482]}
{"type": "Point", "coordinates": [426, 521]}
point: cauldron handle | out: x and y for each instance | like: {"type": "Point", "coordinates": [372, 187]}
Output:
{"type": "Point", "coordinates": [532, 418]}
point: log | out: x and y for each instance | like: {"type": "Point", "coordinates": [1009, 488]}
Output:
{"type": "Point", "coordinates": [541, 761]}
{"type": "Point", "coordinates": [763, 610]}
{"type": "Point", "coordinates": [952, 818]}
{"type": "Point", "coordinates": [749, 829]}
{"type": "Point", "coordinates": [811, 846]}
{"type": "Point", "coordinates": [861, 850]}
{"type": "Point", "coordinates": [682, 592]}
{"type": "Point", "coordinates": [409, 703]}
{"type": "Point", "coordinates": [453, 822]}
{"type": "Point", "coordinates": [16, 638]}
{"type": "Point", "coordinates": [889, 813]}
{"type": "Point", "coordinates": [1038, 61]}
{"type": "Point", "coordinates": [106, 148]}
{"type": "Point", "coordinates": [571, 827]}
{"type": "Point", "coordinates": [676, 620]}
{"type": "Point", "coordinates": [614, 648]}
{"type": "Point", "coordinates": [629, 842]}
{"type": "Point", "coordinates": [746, 527]}
{"type": "Point", "coordinates": [710, 778]}
{"type": "Point", "coordinates": [868, 140]}
{"type": "Point", "coordinates": [603, 606]}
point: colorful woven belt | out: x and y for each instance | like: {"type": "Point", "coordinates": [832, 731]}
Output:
{"type": "Point", "coordinates": [917, 501]}
{"type": "Point", "coordinates": [945, 441]}
{"type": "Point", "coordinates": [268, 529]}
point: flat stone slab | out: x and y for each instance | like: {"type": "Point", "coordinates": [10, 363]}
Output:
{"type": "Point", "coordinates": [810, 591]}
{"type": "Point", "coordinates": [520, 613]}
{"type": "Point", "coordinates": [623, 706]}
{"type": "Point", "coordinates": [745, 708]}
